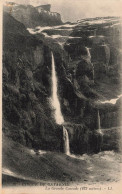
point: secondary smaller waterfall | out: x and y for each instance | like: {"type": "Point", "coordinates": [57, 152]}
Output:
{"type": "Point", "coordinates": [89, 55]}
{"type": "Point", "coordinates": [66, 141]}
{"type": "Point", "coordinates": [99, 133]}
{"type": "Point", "coordinates": [98, 120]}
{"type": "Point", "coordinates": [98, 123]}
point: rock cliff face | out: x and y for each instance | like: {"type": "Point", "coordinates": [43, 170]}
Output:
{"type": "Point", "coordinates": [44, 7]}
{"type": "Point", "coordinates": [87, 59]}
{"type": "Point", "coordinates": [27, 114]}
{"type": "Point", "coordinates": [51, 18]}
{"type": "Point", "coordinates": [33, 16]}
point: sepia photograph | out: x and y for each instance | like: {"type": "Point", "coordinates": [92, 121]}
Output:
{"type": "Point", "coordinates": [61, 96]}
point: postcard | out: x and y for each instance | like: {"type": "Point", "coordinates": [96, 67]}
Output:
{"type": "Point", "coordinates": [61, 96]}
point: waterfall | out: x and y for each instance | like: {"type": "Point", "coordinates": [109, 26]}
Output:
{"type": "Point", "coordinates": [57, 109]}
{"type": "Point", "coordinates": [89, 55]}
{"type": "Point", "coordinates": [66, 141]}
{"type": "Point", "coordinates": [98, 123]}
{"type": "Point", "coordinates": [93, 70]}
{"type": "Point", "coordinates": [55, 101]}
{"type": "Point", "coordinates": [99, 132]}
{"type": "Point", "coordinates": [98, 120]}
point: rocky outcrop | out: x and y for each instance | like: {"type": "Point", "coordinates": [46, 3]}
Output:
{"type": "Point", "coordinates": [52, 18]}
{"type": "Point", "coordinates": [32, 16]}
{"type": "Point", "coordinates": [44, 7]}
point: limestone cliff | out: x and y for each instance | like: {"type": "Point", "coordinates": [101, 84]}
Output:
{"type": "Point", "coordinates": [33, 16]}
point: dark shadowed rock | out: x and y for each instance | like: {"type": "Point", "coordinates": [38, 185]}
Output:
{"type": "Point", "coordinates": [26, 108]}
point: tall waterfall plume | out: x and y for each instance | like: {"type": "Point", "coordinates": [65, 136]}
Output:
{"type": "Point", "coordinates": [55, 101]}
{"type": "Point", "coordinates": [57, 109]}
{"type": "Point", "coordinates": [66, 141]}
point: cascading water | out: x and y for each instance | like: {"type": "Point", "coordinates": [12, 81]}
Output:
{"type": "Point", "coordinates": [99, 133]}
{"type": "Point", "coordinates": [57, 109]}
{"type": "Point", "coordinates": [89, 55]}
{"type": "Point", "coordinates": [66, 141]}
{"type": "Point", "coordinates": [55, 101]}
{"type": "Point", "coordinates": [98, 120]}
{"type": "Point", "coordinates": [98, 123]}
{"type": "Point", "coordinates": [88, 52]}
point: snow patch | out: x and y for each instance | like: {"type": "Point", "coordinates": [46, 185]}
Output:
{"type": "Point", "coordinates": [95, 22]}
{"type": "Point", "coordinates": [92, 36]}
{"type": "Point", "coordinates": [112, 101]}
{"type": "Point", "coordinates": [8, 172]}
{"type": "Point", "coordinates": [100, 21]}
{"type": "Point", "coordinates": [56, 36]}
{"type": "Point", "coordinates": [46, 35]}
{"type": "Point", "coordinates": [31, 31]}
{"type": "Point", "coordinates": [64, 29]}
{"type": "Point", "coordinates": [97, 36]}
{"type": "Point", "coordinates": [39, 29]}
{"type": "Point", "coordinates": [42, 152]}
{"type": "Point", "coordinates": [32, 151]}
{"type": "Point", "coordinates": [60, 36]}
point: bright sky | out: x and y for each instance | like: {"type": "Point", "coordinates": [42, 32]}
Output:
{"type": "Point", "coordinates": [73, 10]}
